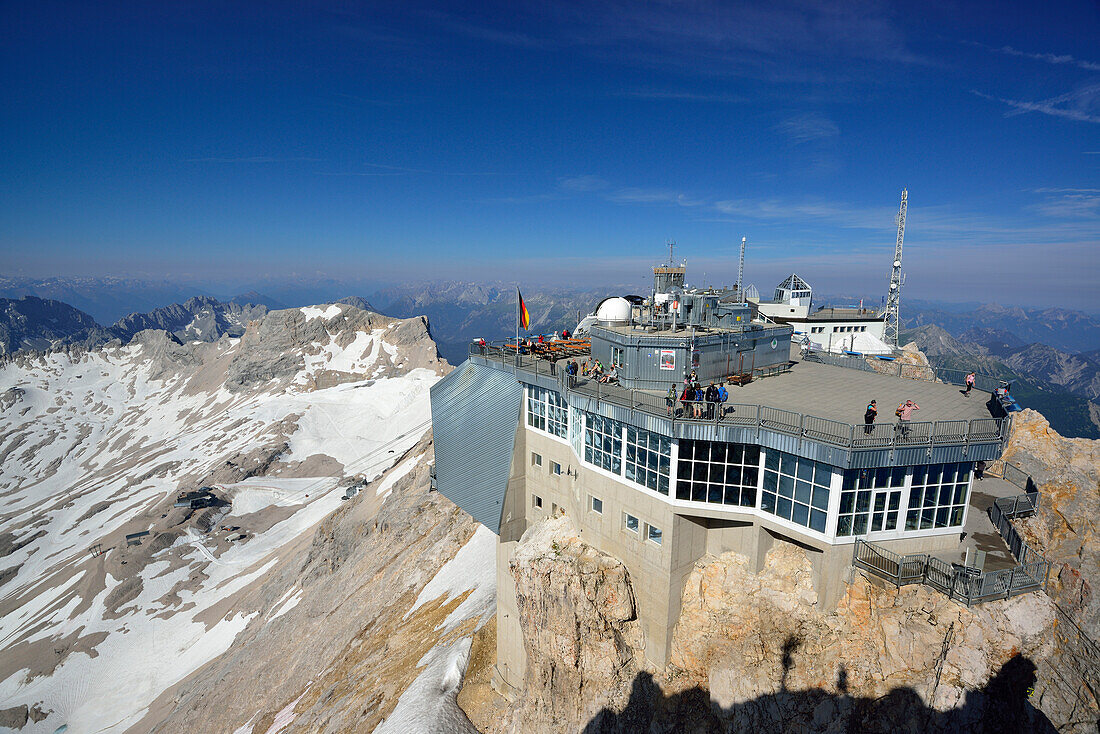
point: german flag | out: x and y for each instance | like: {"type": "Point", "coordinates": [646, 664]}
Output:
{"type": "Point", "coordinates": [524, 316]}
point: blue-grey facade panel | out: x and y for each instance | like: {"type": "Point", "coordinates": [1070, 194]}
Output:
{"type": "Point", "coordinates": [475, 410]}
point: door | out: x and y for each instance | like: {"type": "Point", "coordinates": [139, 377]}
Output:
{"type": "Point", "coordinates": [885, 505]}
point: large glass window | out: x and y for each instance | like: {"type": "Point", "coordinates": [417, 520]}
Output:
{"type": "Point", "coordinates": [796, 489]}
{"type": "Point", "coordinates": [938, 496]}
{"type": "Point", "coordinates": [870, 500]}
{"type": "Point", "coordinates": [603, 443]}
{"type": "Point", "coordinates": [576, 430]}
{"type": "Point", "coordinates": [648, 456]}
{"type": "Point", "coordinates": [546, 411]}
{"type": "Point", "coordinates": [715, 471]}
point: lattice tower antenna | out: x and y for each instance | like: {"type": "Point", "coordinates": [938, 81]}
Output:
{"type": "Point", "coordinates": [893, 300]}
{"type": "Point", "coordinates": [741, 271]}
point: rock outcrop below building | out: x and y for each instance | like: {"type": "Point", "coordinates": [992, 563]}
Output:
{"type": "Point", "coordinates": [757, 652]}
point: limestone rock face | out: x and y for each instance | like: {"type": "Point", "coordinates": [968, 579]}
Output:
{"type": "Point", "coordinates": [758, 652]}
{"type": "Point", "coordinates": [576, 606]}
{"type": "Point", "coordinates": [773, 659]}
{"type": "Point", "coordinates": [1065, 529]}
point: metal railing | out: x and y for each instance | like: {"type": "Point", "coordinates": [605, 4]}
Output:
{"type": "Point", "coordinates": [984, 383]}
{"type": "Point", "coordinates": [823, 430]}
{"type": "Point", "coordinates": [963, 583]}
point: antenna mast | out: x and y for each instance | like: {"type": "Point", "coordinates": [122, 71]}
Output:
{"type": "Point", "coordinates": [741, 272]}
{"type": "Point", "coordinates": [893, 299]}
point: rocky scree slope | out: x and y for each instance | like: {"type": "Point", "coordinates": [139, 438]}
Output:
{"type": "Point", "coordinates": [95, 445]}
{"type": "Point", "coordinates": [341, 657]}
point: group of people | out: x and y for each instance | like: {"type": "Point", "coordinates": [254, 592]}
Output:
{"type": "Point", "coordinates": [904, 414]}
{"type": "Point", "coordinates": [593, 369]}
{"type": "Point", "coordinates": [697, 402]}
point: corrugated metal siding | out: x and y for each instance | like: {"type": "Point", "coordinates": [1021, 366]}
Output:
{"type": "Point", "coordinates": [474, 414]}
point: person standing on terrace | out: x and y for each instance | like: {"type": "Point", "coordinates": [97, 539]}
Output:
{"type": "Point", "coordinates": [969, 384]}
{"type": "Point", "coordinates": [869, 417]}
{"type": "Point", "coordinates": [905, 414]}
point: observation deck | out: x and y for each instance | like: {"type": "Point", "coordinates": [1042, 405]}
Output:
{"type": "Point", "coordinates": [818, 405]}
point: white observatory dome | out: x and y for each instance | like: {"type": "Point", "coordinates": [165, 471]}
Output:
{"type": "Point", "coordinates": [614, 311]}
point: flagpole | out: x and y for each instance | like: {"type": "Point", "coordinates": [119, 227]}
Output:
{"type": "Point", "coordinates": [517, 327]}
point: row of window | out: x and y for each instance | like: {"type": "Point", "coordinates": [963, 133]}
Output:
{"type": "Point", "coordinates": [791, 487]}
{"type": "Point", "coordinates": [630, 523]}
{"type": "Point", "coordinates": [837, 329]}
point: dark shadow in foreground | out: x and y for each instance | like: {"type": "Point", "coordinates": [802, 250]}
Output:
{"type": "Point", "coordinates": [1001, 707]}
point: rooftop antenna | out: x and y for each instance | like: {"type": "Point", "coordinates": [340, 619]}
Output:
{"type": "Point", "coordinates": [893, 298]}
{"type": "Point", "coordinates": [671, 244]}
{"type": "Point", "coordinates": [741, 271]}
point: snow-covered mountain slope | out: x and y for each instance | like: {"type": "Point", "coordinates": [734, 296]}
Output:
{"type": "Point", "coordinates": [95, 446]}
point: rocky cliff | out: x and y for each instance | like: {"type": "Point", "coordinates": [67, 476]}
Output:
{"type": "Point", "coordinates": [759, 652]}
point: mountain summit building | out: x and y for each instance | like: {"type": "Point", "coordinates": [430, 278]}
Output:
{"type": "Point", "coordinates": [787, 457]}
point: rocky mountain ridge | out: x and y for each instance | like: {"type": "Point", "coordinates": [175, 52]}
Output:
{"type": "Point", "coordinates": [36, 324]}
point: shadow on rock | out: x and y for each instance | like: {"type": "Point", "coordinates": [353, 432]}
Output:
{"type": "Point", "coordinates": [1001, 707]}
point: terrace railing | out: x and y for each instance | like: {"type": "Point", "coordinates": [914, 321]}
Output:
{"type": "Point", "coordinates": [814, 428]}
{"type": "Point", "coordinates": [984, 383]}
{"type": "Point", "coordinates": [963, 583]}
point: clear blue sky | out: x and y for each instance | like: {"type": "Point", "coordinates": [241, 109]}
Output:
{"type": "Point", "coordinates": [556, 141]}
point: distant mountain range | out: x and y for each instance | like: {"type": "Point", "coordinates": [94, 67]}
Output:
{"type": "Point", "coordinates": [1052, 354]}
{"type": "Point", "coordinates": [1070, 331]}
{"type": "Point", "coordinates": [462, 312]}
{"type": "Point", "coordinates": [31, 323]}
{"type": "Point", "coordinates": [1063, 387]}
{"type": "Point", "coordinates": [37, 324]}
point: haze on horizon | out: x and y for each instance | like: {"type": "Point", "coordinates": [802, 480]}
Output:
{"type": "Point", "coordinates": [556, 143]}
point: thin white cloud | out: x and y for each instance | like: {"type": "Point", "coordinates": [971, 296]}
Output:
{"type": "Point", "coordinates": [807, 128]}
{"type": "Point", "coordinates": [1051, 58]}
{"type": "Point", "coordinates": [583, 183]}
{"type": "Point", "coordinates": [1082, 205]}
{"type": "Point", "coordinates": [251, 159]}
{"type": "Point", "coordinates": [1077, 105]}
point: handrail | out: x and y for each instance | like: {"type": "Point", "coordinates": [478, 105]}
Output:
{"type": "Point", "coordinates": [962, 583]}
{"type": "Point", "coordinates": [982, 382]}
{"type": "Point", "coordinates": [823, 430]}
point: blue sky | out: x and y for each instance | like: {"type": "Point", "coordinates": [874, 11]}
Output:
{"type": "Point", "coordinates": [556, 142]}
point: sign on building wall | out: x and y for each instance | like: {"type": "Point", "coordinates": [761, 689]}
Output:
{"type": "Point", "coordinates": [668, 359]}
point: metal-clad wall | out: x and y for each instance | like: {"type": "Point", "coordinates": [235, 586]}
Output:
{"type": "Point", "coordinates": [474, 414]}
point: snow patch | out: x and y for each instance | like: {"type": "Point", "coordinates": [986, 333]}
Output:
{"type": "Point", "coordinates": [315, 312]}
{"type": "Point", "coordinates": [473, 567]}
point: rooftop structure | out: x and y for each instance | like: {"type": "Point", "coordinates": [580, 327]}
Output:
{"type": "Point", "coordinates": [660, 480]}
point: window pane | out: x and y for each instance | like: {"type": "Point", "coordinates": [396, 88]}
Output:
{"type": "Point", "coordinates": [806, 470]}
{"type": "Point", "coordinates": [802, 492]}
{"type": "Point", "coordinates": [715, 492]}
{"type": "Point", "coordinates": [783, 508]}
{"type": "Point", "coordinates": [847, 502]}
{"type": "Point", "coordinates": [632, 523]}
{"type": "Point", "coordinates": [767, 502]}
{"type": "Point", "coordinates": [817, 519]}
{"type": "Point", "coordinates": [844, 525]}
{"type": "Point", "coordinates": [786, 485]}
{"type": "Point", "coordinates": [800, 514]}
{"type": "Point", "coordinates": [654, 535]}
{"type": "Point", "coordinates": [771, 481]}
{"type": "Point", "coordinates": [821, 498]}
